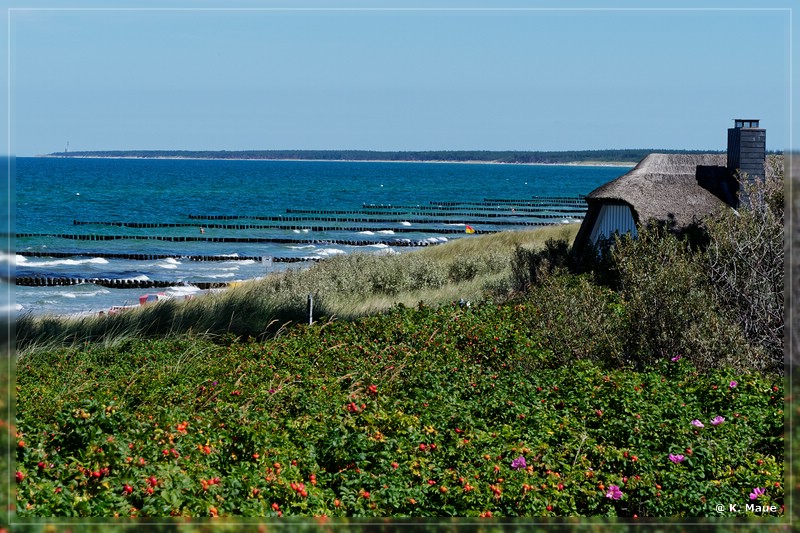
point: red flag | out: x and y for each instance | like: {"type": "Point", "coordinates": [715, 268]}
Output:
{"type": "Point", "coordinates": [469, 229]}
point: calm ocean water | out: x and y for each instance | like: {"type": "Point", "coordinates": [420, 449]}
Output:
{"type": "Point", "coordinates": [315, 209]}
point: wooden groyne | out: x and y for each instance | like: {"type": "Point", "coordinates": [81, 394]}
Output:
{"type": "Point", "coordinates": [157, 257]}
{"type": "Point", "coordinates": [540, 200]}
{"type": "Point", "coordinates": [112, 283]}
{"type": "Point", "coordinates": [400, 229]}
{"type": "Point", "coordinates": [239, 240]}
{"type": "Point", "coordinates": [363, 220]}
{"type": "Point", "coordinates": [440, 211]}
{"type": "Point", "coordinates": [509, 202]}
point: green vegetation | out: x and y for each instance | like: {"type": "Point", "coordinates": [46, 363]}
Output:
{"type": "Point", "coordinates": [618, 387]}
{"type": "Point", "coordinates": [419, 412]}
{"type": "Point", "coordinates": [716, 293]}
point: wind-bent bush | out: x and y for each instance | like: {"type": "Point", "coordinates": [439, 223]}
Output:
{"type": "Point", "coordinates": [745, 263]}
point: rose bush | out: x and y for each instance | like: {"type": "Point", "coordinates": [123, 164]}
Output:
{"type": "Point", "coordinates": [419, 412]}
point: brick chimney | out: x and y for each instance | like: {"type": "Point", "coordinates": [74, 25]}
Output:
{"type": "Point", "coordinates": [747, 151]}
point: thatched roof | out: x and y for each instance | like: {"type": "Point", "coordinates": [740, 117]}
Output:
{"type": "Point", "coordinates": [679, 188]}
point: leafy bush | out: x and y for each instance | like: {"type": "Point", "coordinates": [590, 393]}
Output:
{"type": "Point", "coordinates": [578, 320]}
{"type": "Point", "coordinates": [670, 304]}
{"type": "Point", "coordinates": [655, 302]}
{"type": "Point", "coordinates": [530, 267]}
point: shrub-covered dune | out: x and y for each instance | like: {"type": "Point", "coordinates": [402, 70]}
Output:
{"type": "Point", "coordinates": [418, 412]}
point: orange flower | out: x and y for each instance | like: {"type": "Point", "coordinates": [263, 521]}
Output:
{"type": "Point", "coordinates": [213, 511]}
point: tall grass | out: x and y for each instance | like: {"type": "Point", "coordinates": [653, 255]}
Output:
{"type": "Point", "coordinates": [345, 286]}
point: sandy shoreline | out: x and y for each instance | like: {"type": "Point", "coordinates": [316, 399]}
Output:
{"type": "Point", "coordinates": [621, 164]}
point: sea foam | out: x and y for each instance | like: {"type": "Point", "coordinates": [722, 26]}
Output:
{"type": "Point", "coordinates": [325, 252]}
{"type": "Point", "coordinates": [69, 262]}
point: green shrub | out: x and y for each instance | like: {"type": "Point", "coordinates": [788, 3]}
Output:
{"type": "Point", "coordinates": [530, 267]}
{"type": "Point", "coordinates": [578, 320]}
{"type": "Point", "coordinates": [670, 305]}
{"type": "Point", "coordinates": [467, 268]}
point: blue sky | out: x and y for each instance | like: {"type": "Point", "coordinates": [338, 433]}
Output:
{"type": "Point", "coordinates": [456, 78]}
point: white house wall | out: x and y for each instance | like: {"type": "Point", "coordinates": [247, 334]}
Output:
{"type": "Point", "coordinates": [613, 218]}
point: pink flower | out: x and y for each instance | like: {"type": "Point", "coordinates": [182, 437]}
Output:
{"type": "Point", "coordinates": [733, 384]}
{"type": "Point", "coordinates": [676, 458]}
{"type": "Point", "coordinates": [717, 420]}
{"type": "Point", "coordinates": [756, 493]}
{"type": "Point", "coordinates": [676, 359]}
{"type": "Point", "coordinates": [518, 463]}
{"type": "Point", "coordinates": [696, 423]}
{"type": "Point", "coordinates": [614, 493]}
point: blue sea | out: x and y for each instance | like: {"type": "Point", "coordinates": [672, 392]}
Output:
{"type": "Point", "coordinates": [164, 219]}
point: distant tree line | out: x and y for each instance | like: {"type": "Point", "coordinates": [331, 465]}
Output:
{"type": "Point", "coordinates": [510, 156]}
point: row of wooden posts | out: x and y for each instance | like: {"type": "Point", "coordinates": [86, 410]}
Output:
{"type": "Point", "coordinates": [249, 240]}
{"type": "Point", "coordinates": [111, 283]}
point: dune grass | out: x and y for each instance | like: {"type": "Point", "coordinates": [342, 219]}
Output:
{"type": "Point", "coordinates": [343, 287]}
{"type": "Point", "coordinates": [505, 241]}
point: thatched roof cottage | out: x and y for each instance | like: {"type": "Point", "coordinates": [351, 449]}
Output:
{"type": "Point", "coordinates": [680, 189]}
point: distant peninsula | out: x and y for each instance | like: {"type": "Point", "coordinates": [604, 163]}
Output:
{"type": "Point", "coordinates": [607, 157]}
